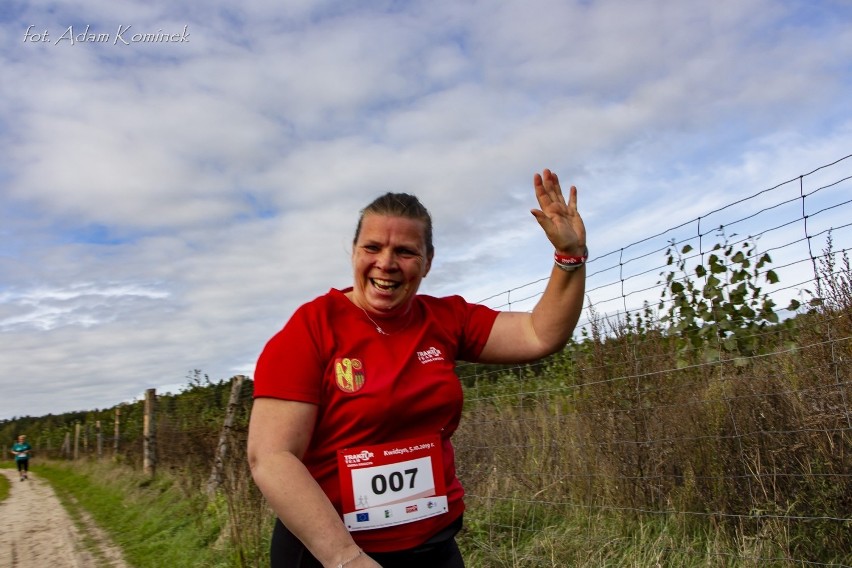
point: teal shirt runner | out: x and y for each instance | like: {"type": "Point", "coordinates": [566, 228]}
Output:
{"type": "Point", "coordinates": [21, 451]}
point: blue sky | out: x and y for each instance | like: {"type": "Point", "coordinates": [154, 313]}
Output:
{"type": "Point", "coordinates": [165, 206]}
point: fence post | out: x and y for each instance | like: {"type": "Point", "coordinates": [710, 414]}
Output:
{"type": "Point", "coordinates": [76, 441]}
{"type": "Point", "coordinates": [66, 445]}
{"type": "Point", "coordinates": [149, 434]}
{"type": "Point", "coordinates": [217, 475]}
{"type": "Point", "coordinates": [99, 439]}
{"type": "Point", "coordinates": [115, 433]}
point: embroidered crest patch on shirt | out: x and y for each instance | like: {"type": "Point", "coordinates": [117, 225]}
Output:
{"type": "Point", "coordinates": [349, 374]}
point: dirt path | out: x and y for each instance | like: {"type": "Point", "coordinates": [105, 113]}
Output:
{"type": "Point", "coordinates": [37, 532]}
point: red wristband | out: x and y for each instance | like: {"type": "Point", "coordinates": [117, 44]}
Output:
{"type": "Point", "coordinates": [566, 262]}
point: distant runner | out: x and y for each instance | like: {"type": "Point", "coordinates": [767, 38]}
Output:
{"type": "Point", "coordinates": [22, 450]}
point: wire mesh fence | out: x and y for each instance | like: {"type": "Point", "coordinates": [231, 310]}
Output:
{"type": "Point", "coordinates": [636, 422]}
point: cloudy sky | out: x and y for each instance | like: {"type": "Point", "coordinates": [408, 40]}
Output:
{"type": "Point", "coordinates": [166, 205]}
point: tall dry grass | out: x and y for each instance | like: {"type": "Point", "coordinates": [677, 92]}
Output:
{"type": "Point", "coordinates": [615, 453]}
{"type": "Point", "coordinates": [747, 460]}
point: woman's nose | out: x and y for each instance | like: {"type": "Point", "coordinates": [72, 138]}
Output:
{"type": "Point", "coordinates": [386, 261]}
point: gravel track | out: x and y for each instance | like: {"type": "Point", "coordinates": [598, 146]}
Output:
{"type": "Point", "coordinates": [37, 532]}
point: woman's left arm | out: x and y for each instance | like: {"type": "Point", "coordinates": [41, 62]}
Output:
{"type": "Point", "coordinates": [521, 336]}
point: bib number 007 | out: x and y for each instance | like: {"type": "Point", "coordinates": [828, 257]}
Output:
{"type": "Point", "coordinates": [394, 481]}
{"type": "Point", "coordinates": [392, 484]}
{"type": "Point", "coordinates": [377, 485]}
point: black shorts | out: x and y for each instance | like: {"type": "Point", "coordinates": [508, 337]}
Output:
{"type": "Point", "coordinates": [440, 551]}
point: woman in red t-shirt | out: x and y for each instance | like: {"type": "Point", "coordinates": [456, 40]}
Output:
{"type": "Point", "coordinates": [356, 398]}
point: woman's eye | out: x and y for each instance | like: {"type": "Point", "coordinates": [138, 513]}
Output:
{"type": "Point", "coordinates": [371, 248]}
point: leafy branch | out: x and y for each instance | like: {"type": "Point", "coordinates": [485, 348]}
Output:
{"type": "Point", "coordinates": [723, 307]}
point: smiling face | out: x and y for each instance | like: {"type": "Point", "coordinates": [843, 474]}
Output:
{"type": "Point", "coordinates": [389, 259]}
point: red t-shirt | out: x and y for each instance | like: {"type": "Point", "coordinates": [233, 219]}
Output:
{"type": "Point", "coordinates": [406, 387]}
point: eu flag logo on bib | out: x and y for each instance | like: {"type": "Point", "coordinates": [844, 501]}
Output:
{"type": "Point", "coordinates": [362, 517]}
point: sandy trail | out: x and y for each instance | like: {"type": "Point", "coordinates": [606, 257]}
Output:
{"type": "Point", "coordinates": [36, 531]}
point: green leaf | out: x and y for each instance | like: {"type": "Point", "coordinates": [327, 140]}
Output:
{"type": "Point", "coordinates": [686, 249]}
{"type": "Point", "coordinates": [700, 271]}
{"type": "Point", "coordinates": [716, 267]}
{"type": "Point", "coordinates": [794, 305]}
{"type": "Point", "coordinates": [771, 277]}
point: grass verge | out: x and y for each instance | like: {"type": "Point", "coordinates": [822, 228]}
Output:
{"type": "Point", "coordinates": [4, 487]}
{"type": "Point", "coordinates": [154, 521]}
{"type": "Point", "coordinates": [494, 538]}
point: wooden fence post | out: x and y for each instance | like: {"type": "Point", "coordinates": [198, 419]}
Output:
{"type": "Point", "coordinates": [76, 441]}
{"type": "Point", "coordinates": [218, 474]}
{"type": "Point", "coordinates": [149, 434]}
{"type": "Point", "coordinates": [99, 438]}
{"type": "Point", "coordinates": [115, 433]}
{"type": "Point", "coordinates": [66, 445]}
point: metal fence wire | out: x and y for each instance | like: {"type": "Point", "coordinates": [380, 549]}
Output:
{"type": "Point", "coordinates": [633, 421]}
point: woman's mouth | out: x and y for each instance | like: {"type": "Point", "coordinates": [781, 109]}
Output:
{"type": "Point", "coordinates": [384, 285]}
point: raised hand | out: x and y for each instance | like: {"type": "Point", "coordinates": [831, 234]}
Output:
{"type": "Point", "coordinates": [560, 220]}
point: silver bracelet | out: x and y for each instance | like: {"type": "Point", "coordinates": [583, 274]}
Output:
{"type": "Point", "coordinates": [569, 268]}
{"type": "Point", "coordinates": [345, 562]}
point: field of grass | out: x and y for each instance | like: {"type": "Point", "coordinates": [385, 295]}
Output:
{"type": "Point", "coordinates": [157, 523]}
{"type": "Point", "coordinates": [514, 536]}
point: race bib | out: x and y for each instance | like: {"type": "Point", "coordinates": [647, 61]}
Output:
{"type": "Point", "coordinates": [392, 484]}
